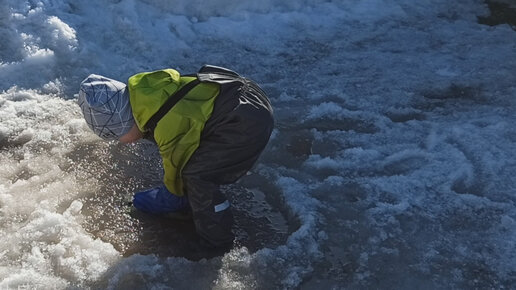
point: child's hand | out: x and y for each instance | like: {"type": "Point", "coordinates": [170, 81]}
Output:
{"type": "Point", "coordinates": [159, 200]}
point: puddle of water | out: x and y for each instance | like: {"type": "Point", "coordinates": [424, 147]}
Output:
{"type": "Point", "coordinates": [107, 215]}
{"type": "Point", "coordinates": [257, 225]}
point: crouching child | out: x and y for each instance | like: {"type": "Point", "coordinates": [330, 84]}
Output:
{"type": "Point", "coordinates": [210, 128]}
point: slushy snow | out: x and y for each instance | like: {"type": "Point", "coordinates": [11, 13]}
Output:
{"type": "Point", "coordinates": [393, 155]}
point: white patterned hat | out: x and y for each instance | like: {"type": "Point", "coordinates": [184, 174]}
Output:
{"type": "Point", "coordinates": [105, 105]}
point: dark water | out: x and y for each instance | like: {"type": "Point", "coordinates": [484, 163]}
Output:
{"type": "Point", "coordinates": [123, 170]}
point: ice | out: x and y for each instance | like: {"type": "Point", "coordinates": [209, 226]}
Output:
{"type": "Point", "coordinates": [57, 248]}
{"type": "Point", "coordinates": [391, 165]}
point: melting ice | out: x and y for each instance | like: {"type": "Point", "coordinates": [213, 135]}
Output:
{"type": "Point", "coordinates": [391, 166]}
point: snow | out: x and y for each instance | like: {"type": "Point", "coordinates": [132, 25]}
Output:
{"type": "Point", "coordinates": [393, 155]}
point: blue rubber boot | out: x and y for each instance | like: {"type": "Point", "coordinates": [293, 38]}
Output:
{"type": "Point", "coordinates": [159, 200]}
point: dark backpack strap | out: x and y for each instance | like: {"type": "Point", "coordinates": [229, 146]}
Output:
{"type": "Point", "coordinates": [169, 104]}
{"type": "Point", "coordinates": [207, 73]}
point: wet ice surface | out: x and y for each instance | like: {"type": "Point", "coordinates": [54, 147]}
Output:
{"type": "Point", "coordinates": [109, 215]}
{"type": "Point", "coordinates": [391, 166]}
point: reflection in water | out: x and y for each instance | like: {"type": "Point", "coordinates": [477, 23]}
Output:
{"type": "Point", "coordinates": [122, 170]}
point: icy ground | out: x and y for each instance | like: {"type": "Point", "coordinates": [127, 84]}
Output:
{"type": "Point", "coordinates": [392, 165]}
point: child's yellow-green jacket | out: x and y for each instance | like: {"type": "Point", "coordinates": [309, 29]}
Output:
{"type": "Point", "coordinates": [178, 133]}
